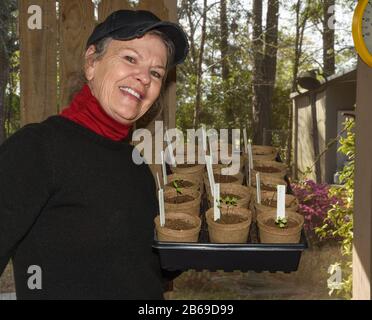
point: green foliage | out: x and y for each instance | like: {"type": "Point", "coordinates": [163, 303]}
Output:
{"type": "Point", "coordinates": [176, 186]}
{"type": "Point", "coordinates": [281, 222]}
{"type": "Point", "coordinates": [339, 221]}
{"type": "Point", "coordinates": [225, 103]}
{"type": "Point", "coordinates": [229, 202]}
{"type": "Point", "coordinates": [12, 119]}
{"type": "Point", "coordinates": [12, 106]}
{"type": "Point", "coordinates": [228, 103]}
{"type": "Point", "coordinates": [9, 52]}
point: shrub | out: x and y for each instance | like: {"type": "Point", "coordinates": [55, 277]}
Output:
{"type": "Point", "coordinates": [315, 201]}
{"type": "Point", "coordinates": [339, 220]}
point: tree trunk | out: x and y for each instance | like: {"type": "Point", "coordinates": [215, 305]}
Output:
{"type": "Point", "coordinates": [269, 67]}
{"type": "Point", "coordinates": [264, 70]}
{"type": "Point", "coordinates": [224, 48]}
{"type": "Point", "coordinates": [314, 118]}
{"type": "Point", "coordinates": [189, 12]}
{"type": "Point", "coordinates": [200, 71]}
{"type": "Point", "coordinates": [296, 61]}
{"type": "Point", "coordinates": [257, 81]}
{"type": "Point", "coordinates": [301, 20]}
{"type": "Point", "coordinates": [294, 81]}
{"type": "Point", "coordinates": [224, 45]}
{"type": "Point", "coordinates": [328, 38]}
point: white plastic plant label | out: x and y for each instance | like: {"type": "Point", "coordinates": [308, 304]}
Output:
{"type": "Point", "coordinates": [172, 159]}
{"type": "Point", "coordinates": [158, 181]}
{"type": "Point", "coordinates": [280, 210]}
{"type": "Point", "coordinates": [204, 139]}
{"type": "Point", "coordinates": [258, 187]}
{"type": "Point", "coordinates": [212, 154]}
{"type": "Point", "coordinates": [250, 162]}
{"type": "Point", "coordinates": [208, 162]}
{"type": "Point", "coordinates": [217, 211]}
{"type": "Point", "coordinates": [165, 179]}
{"type": "Point", "coordinates": [250, 154]}
{"type": "Point", "coordinates": [161, 207]}
{"type": "Point", "coordinates": [245, 138]}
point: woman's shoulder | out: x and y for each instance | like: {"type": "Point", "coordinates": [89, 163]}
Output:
{"type": "Point", "coordinates": [30, 138]}
{"type": "Point", "coordinates": [32, 132]}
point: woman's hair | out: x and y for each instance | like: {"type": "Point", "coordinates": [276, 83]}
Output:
{"type": "Point", "coordinates": [101, 47]}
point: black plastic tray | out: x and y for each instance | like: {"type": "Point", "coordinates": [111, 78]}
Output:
{"type": "Point", "coordinates": [251, 256]}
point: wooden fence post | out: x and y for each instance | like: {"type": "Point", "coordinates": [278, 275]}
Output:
{"type": "Point", "coordinates": [38, 68]}
{"type": "Point", "coordinates": [106, 7]}
{"type": "Point", "coordinates": [362, 242]}
{"type": "Point", "coordinates": [76, 24]}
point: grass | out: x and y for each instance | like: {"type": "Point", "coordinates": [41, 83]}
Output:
{"type": "Point", "coordinates": [7, 280]}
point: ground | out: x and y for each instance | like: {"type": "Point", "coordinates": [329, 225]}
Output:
{"type": "Point", "coordinates": [309, 282]}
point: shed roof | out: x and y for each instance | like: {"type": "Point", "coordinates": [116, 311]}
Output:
{"type": "Point", "coordinates": [351, 72]}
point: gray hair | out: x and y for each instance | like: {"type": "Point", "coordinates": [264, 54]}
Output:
{"type": "Point", "coordinates": [101, 47]}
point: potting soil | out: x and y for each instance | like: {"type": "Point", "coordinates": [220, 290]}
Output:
{"type": "Point", "coordinates": [178, 224]}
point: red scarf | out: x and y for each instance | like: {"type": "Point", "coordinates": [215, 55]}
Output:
{"type": "Point", "coordinates": [86, 111]}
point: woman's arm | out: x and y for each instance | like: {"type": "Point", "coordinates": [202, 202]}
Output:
{"type": "Point", "coordinates": [26, 179]}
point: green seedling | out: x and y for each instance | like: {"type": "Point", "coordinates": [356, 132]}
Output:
{"type": "Point", "coordinates": [178, 189]}
{"type": "Point", "coordinates": [229, 202]}
{"type": "Point", "coordinates": [281, 222]}
{"type": "Point", "coordinates": [176, 186]}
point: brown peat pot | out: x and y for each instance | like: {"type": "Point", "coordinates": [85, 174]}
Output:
{"type": "Point", "coordinates": [179, 227]}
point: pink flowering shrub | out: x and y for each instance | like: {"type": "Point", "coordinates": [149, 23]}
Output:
{"type": "Point", "coordinates": [314, 202]}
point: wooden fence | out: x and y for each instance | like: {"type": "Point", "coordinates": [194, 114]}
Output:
{"type": "Point", "coordinates": [51, 57]}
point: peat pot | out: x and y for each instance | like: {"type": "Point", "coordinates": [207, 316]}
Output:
{"type": "Point", "coordinates": [179, 227]}
{"type": "Point", "coordinates": [233, 227]}
{"type": "Point", "coordinates": [187, 202]}
{"type": "Point", "coordinates": [271, 233]}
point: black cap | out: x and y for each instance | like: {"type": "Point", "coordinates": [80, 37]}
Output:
{"type": "Point", "coordinates": [130, 24]}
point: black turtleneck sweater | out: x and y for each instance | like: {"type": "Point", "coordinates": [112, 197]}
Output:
{"type": "Point", "coordinates": [74, 204]}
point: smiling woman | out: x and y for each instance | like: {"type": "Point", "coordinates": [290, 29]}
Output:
{"type": "Point", "coordinates": [107, 46]}
{"type": "Point", "coordinates": [128, 79]}
{"type": "Point", "coordinates": [72, 202]}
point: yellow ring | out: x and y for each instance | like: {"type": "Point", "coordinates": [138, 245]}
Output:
{"type": "Point", "coordinates": [357, 31]}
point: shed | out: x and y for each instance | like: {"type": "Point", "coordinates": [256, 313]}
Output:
{"type": "Point", "coordinates": [318, 115]}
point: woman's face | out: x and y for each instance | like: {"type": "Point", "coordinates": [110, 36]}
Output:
{"type": "Point", "coordinates": [127, 79]}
